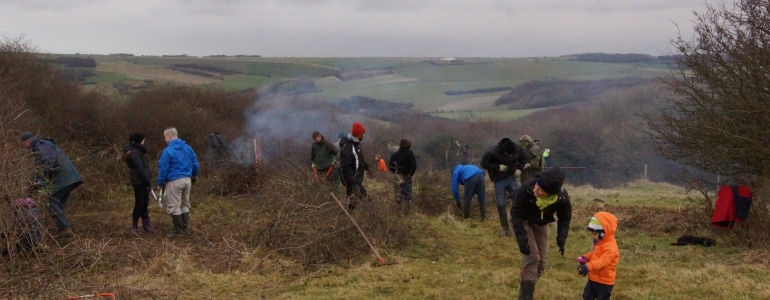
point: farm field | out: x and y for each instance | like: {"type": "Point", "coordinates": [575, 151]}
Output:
{"type": "Point", "coordinates": [410, 80]}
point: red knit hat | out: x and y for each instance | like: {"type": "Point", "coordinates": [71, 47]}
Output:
{"type": "Point", "coordinates": [358, 129]}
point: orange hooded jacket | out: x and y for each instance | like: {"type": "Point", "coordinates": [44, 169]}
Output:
{"type": "Point", "coordinates": [381, 165]}
{"type": "Point", "coordinates": [603, 259]}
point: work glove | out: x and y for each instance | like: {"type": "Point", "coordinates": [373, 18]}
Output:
{"type": "Point", "coordinates": [582, 270]}
{"type": "Point", "coordinates": [503, 168]}
{"type": "Point", "coordinates": [457, 203]}
{"type": "Point", "coordinates": [517, 174]}
{"type": "Point", "coordinates": [524, 247]}
{"type": "Point", "coordinates": [312, 166]}
{"type": "Point", "coordinates": [582, 260]}
{"type": "Point", "coordinates": [527, 166]}
{"type": "Point", "coordinates": [193, 179]}
{"type": "Point", "coordinates": [561, 247]}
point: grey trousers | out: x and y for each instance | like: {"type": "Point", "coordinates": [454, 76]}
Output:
{"type": "Point", "coordinates": [178, 196]}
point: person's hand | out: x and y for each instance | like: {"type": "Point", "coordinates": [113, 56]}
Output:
{"type": "Point", "coordinates": [193, 179]}
{"type": "Point", "coordinates": [561, 247]}
{"type": "Point", "coordinates": [503, 168]}
{"type": "Point", "coordinates": [524, 247]}
{"type": "Point", "coordinates": [312, 165]}
{"type": "Point", "coordinates": [527, 166]}
{"type": "Point", "coordinates": [582, 260]}
{"type": "Point", "coordinates": [517, 174]}
{"type": "Point", "coordinates": [457, 203]}
{"type": "Point", "coordinates": [582, 270]}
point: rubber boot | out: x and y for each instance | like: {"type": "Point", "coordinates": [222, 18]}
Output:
{"type": "Point", "coordinates": [146, 225]}
{"type": "Point", "coordinates": [526, 290]}
{"type": "Point", "coordinates": [503, 220]}
{"type": "Point", "coordinates": [185, 223]}
{"type": "Point", "coordinates": [483, 212]}
{"type": "Point", "coordinates": [134, 225]}
{"type": "Point", "coordinates": [177, 231]}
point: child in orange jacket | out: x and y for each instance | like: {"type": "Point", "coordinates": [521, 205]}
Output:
{"type": "Point", "coordinates": [600, 263]}
{"type": "Point", "coordinates": [380, 163]}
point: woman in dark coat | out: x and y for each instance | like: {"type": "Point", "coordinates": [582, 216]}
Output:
{"type": "Point", "coordinates": [135, 156]}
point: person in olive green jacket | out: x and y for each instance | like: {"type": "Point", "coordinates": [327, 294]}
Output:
{"type": "Point", "coordinates": [533, 159]}
{"type": "Point", "coordinates": [322, 155]}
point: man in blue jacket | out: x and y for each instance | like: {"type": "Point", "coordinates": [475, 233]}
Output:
{"type": "Point", "coordinates": [177, 171]}
{"type": "Point", "coordinates": [472, 178]}
{"type": "Point", "coordinates": [59, 174]}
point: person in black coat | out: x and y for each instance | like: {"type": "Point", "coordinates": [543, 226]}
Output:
{"type": "Point", "coordinates": [403, 165]}
{"type": "Point", "coordinates": [353, 164]}
{"type": "Point", "coordinates": [135, 157]}
{"type": "Point", "coordinates": [503, 163]}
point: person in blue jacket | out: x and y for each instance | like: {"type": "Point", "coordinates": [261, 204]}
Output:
{"type": "Point", "coordinates": [59, 175]}
{"type": "Point", "coordinates": [472, 178]}
{"type": "Point", "coordinates": [177, 172]}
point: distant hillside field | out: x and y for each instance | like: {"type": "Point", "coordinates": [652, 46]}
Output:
{"type": "Point", "coordinates": [420, 81]}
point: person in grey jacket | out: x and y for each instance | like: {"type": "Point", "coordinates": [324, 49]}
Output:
{"type": "Point", "coordinates": [58, 173]}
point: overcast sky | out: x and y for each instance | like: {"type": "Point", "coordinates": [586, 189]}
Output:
{"type": "Point", "coordinates": [337, 28]}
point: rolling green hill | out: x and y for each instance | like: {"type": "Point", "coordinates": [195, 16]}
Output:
{"type": "Point", "coordinates": [421, 81]}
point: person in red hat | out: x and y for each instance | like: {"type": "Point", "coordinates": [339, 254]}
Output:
{"type": "Point", "coordinates": [353, 164]}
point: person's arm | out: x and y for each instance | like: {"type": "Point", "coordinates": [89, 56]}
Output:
{"type": "Point", "coordinates": [564, 214]}
{"type": "Point", "coordinates": [136, 164]}
{"type": "Point", "coordinates": [163, 167]}
{"type": "Point", "coordinates": [47, 159]}
{"type": "Point", "coordinates": [488, 163]}
{"type": "Point", "coordinates": [603, 259]}
{"type": "Point", "coordinates": [195, 166]}
{"type": "Point", "coordinates": [522, 159]}
{"type": "Point", "coordinates": [412, 164]}
{"type": "Point", "coordinates": [330, 148]}
{"type": "Point", "coordinates": [312, 154]}
{"type": "Point", "coordinates": [517, 221]}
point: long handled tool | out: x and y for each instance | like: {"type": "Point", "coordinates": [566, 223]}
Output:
{"type": "Point", "coordinates": [382, 261]}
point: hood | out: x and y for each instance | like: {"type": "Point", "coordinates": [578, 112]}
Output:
{"type": "Point", "coordinates": [134, 146]}
{"type": "Point", "coordinates": [353, 139]}
{"type": "Point", "coordinates": [177, 144]}
{"type": "Point", "coordinates": [609, 223]}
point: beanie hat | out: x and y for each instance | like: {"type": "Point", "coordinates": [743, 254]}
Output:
{"type": "Point", "coordinates": [509, 147]}
{"type": "Point", "coordinates": [595, 226]}
{"type": "Point", "coordinates": [136, 138]}
{"type": "Point", "coordinates": [358, 129]}
{"type": "Point", "coordinates": [406, 144]}
{"type": "Point", "coordinates": [25, 136]}
{"type": "Point", "coordinates": [525, 138]}
{"type": "Point", "coordinates": [551, 181]}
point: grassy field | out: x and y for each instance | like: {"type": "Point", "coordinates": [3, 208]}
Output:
{"type": "Point", "coordinates": [452, 259]}
{"type": "Point", "coordinates": [497, 115]}
{"type": "Point", "coordinates": [414, 80]}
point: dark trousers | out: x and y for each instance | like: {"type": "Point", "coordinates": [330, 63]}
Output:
{"type": "Point", "coordinates": [597, 291]}
{"type": "Point", "coordinates": [404, 190]}
{"type": "Point", "coordinates": [56, 204]}
{"type": "Point", "coordinates": [141, 202]}
{"type": "Point", "coordinates": [474, 186]}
